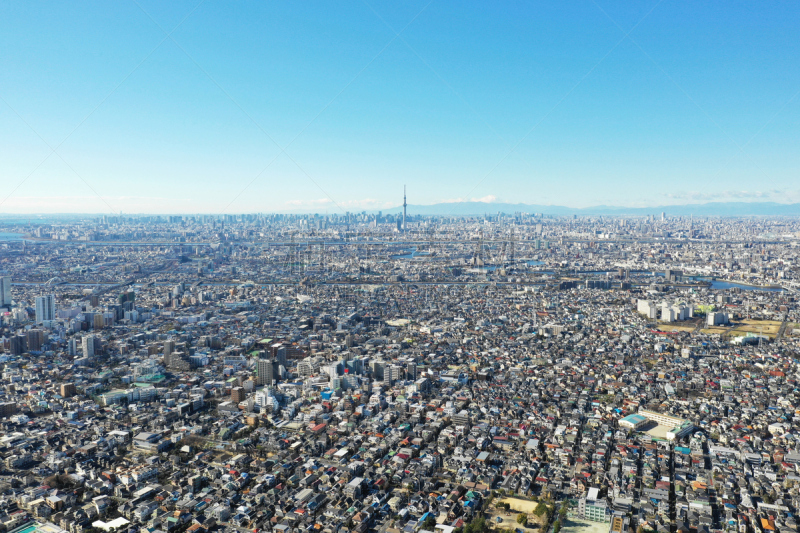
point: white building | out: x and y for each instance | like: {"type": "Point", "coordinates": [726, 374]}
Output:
{"type": "Point", "coordinates": [132, 395]}
{"type": "Point", "coordinates": [678, 427]}
{"type": "Point", "coordinates": [592, 508]}
{"type": "Point", "coordinates": [88, 346]}
{"type": "Point", "coordinates": [146, 368]}
{"type": "Point", "coordinates": [264, 398]}
{"type": "Point", "coordinates": [675, 312]}
{"type": "Point", "coordinates": [717, 319]}
{"type": "Point", "coordinates": [45, 308]}
{"type": "Point", "coordinates": [308, 367]}
{"type": "Point", "coordinates": [646, 308]}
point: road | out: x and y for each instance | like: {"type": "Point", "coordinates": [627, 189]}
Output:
{"type": "Point", "coordinates": [782, 330]}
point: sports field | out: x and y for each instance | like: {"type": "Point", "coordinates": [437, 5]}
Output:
{"type": "Point", "coordinates": [578, 525]}
{"type": "Point", "coordinates": [523, 506]}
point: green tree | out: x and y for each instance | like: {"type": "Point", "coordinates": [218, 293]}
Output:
{"type": "Point", "coordinates": [478, 525]}
{"type": "Point", "coordinates": [429, 523]}
{"type": "Point", "coordinates": [522, 518]}
{"type": "Point", "coordinates": [557, 526]}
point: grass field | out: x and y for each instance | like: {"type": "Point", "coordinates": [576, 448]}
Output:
{"type": "Point", "coordinates": [711, 330]}
{"type": "Point", "coordinates": [762, 322]}
{"type": "Point", "coordinates": [768, 328]}
{"type": "Point", "coordinates": [670, 327]}
{"type": "Point", "coordinates": [768, 332]}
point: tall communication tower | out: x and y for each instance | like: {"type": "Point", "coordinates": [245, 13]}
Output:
{"type": "Point", "coordinates": [479, 250]}
{"type": "Point", "coordinates": [510, 256]}
{"type": "Point", "coordinates": [291, 257]}
{"type": "Point", "coordinates": [404, 208]}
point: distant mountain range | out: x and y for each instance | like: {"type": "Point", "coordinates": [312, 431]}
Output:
{"type": "Point", "coordinates": [718, 209]}
{"type": "Point", "coordinates": [723, 209]}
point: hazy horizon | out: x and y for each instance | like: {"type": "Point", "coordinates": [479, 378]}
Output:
{"type": "Point", "coordinates": [472, 209]}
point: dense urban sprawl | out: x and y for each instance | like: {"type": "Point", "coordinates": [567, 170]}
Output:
{"type": "Point", "coordinates": [362, 372]}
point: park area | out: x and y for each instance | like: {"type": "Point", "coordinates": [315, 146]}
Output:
{"type": "Point", "coordinates": [768, 328]}
{"type": "Point", "coordinates": [503, 519]}
{"type": "Point", "coordinates": [523, 506]}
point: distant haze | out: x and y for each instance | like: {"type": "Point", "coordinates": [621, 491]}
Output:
{"type": "Point", "coordinates": [725, 209]}
{"type": "Point", "coordinates": [714, 209]}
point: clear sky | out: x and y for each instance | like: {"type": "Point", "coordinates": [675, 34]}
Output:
{"type": "Point", "coordinates": [190, 107]}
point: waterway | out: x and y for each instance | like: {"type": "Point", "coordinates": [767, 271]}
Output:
{"type": "Point", "coordinates": [5, 237]}
{"type": "Point", "coordinates": [721, 285]}
{"type": "Point", "coordinates": [410, 254]}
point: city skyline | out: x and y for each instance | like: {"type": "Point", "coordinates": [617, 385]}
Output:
{"type": "Point", "coordinates": [195, 108]}
{"type": "Point", "coordinates": [399, 267]}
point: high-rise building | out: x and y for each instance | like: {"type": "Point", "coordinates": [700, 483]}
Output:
{"type": "Point", "coordinates": [35, 338]}
{"type": "Point", "coordinates": [392, 373]}
{"type": "Point", "coordinates": [5, 291]}
{"type": "Point", "coordinates": [67, 390]}
{"type": "Point", "coordinates": [18, 344]}
{"type": "Point", "coordinates": [45, 308]}
{"type": "Point", "coordinates": [237, 394]}
{"type": "Point", "coordinates": [279, 353]}
{"type": "Point", "coordinates": [266, 372]}
{"type": "Point", "coordinates": [411, 370]}
{"type": "Point", "coordinates": [88, 346]}
{"type": "Point", "coordinates": [169, 347]}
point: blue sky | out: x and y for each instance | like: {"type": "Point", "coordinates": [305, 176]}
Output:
{"type": "Point", "coordinates": [296, 106]}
